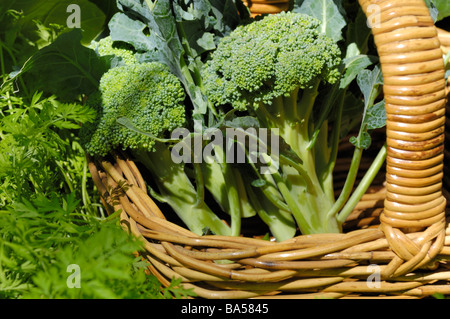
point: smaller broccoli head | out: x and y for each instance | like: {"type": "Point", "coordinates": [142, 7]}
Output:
{"type": "Point", "coordinates": [106, 46]}
{"type": "Point", "coordinates": [270, 58]}
{"type": "Point", "coordinates": [147, 95]}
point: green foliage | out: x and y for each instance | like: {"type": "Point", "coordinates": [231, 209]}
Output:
{"type": "Point", "coordinates": [32, 25]}
{"type": "Point", "coordinates": [55, 12]}
{"type": "Point", "coordinates": [178, 34]}
{"type": "Point", "coordinates": [65, 68]}
{"type": "Point", "coordinates": [50, 212]}
{"type": "Point", "coordinates": [41, 238]}
{"type": "Point", "coordinates": [439, 9]}
{"type": "Point", "coordinates": [374, 116]}
{"type": "Point", "coordinates": [40, 153]}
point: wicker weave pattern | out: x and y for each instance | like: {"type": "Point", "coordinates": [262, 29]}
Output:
{"type": "Point", "coordinates": [409, 48]}
{"type": "Point", "coordinates": [409, 247]}
{"type": "Point", "coordinates": [266, 6]}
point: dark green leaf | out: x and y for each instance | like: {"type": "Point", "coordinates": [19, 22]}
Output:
{"type": "Point", "coordinates": [362, 141]}
{"type": "Point", "coordinates": [443, 8]}
{"type": "Point", "coordinates": [369, 82]}
{"type": "Point", "coordinates": [376, 116]}
{"type": "Point", "coordinates": [357, 35]}
{"type": "Point", "coordinates": [64, 68]}
{"type": "Point", "coordinates": [92, 19]}
{"type": "Point", "coordinates": [354, 65]}
{"type": "Point", "coordinates": [434, 12]}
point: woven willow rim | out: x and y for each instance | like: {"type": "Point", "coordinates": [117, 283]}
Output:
{"type": "Point", "coordinates": [399, 228]}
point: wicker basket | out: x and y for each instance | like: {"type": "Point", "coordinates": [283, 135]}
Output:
{"type": "Point", "coordinates": [398, 232]}
{"type": "Point", "coordinates": [258, 7]}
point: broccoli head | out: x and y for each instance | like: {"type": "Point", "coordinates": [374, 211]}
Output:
{"type": "Point", "coordinates": [151, 100]}
{"type": "Point", "coordinates": [147, 95]}
{"type": "Point", "coordinates": [270, 58]}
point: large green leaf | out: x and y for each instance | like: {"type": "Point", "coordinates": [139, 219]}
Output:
{"type": "Point", "coordinates": [155, 33]}
{"type": "Point", "coordinates": [92, 19]}
{"type": "Point", "coordinates": [439, 9]}
{"type": "Point", "coordinates": [357, 35]}
{"type": "Point", "coordinates": [443, 7]}
{"type": "Point", "coordinates": [64, 68]}
{"type": "Point", "coordinates": [354, 65]}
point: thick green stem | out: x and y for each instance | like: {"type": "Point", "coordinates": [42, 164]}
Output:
{"type": "Point", "coordinates": [280, 222]}
{"type": "Point", "coordinates": [363, 185]}
{"type": "Point", "coordinates": [308, 197]}
{"type": "Point", "coordinates": [232, 193]}
{"type": "Point", "coordinates": [179, 193]}
{"type": "Point", "coordinates": [322, 156]}
{"type": "Point", "coordinates": [306, 103]}
{"type": "Point", "coordinates": [304, 217]}
{"type": "Point", "coordinates": [299, 139]}
{"type": "Point", "coordinates": [327, 173]}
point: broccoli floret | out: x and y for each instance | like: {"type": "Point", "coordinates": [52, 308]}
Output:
{"type": "Point", "coordinates": [151, 101]}
{"type": "Point", "coordinates": [106, 46]}
{"type": "Point", "coordinates": [146, 94]}
{"type": "Point", "coordinates": [270, 58]}
{"type": "Point", "coordinates": [273, 69]}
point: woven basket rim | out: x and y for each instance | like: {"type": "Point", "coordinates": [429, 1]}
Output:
{"type": "Point", "coordinates": [305, 263]}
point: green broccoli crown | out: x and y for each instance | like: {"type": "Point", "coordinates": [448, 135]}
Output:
{"type": "Point", "coordinates": [106, 46]}
{"type": "Point", "coordinates": [270, 58]}
{"type": "Point", "coordinates": [147, 95]}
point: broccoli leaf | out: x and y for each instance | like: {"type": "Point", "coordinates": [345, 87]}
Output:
{"type": "Point", "coordinates": [329, 12]}
{"type": "Point", "coordinates": [162, 41]}
{"type": "Point", "coordinates": [357, 35]}
{"type": "Point", "coordinates": [92, 19]}
{"type": "Point", "coordinates": [363, 140]}
{"type": "Point", "coordinates": [353, 66]}
{"type": "Point", "coordinates": [374, 116]}
{"type": "Point", "coordinates": [434, 12]}
{"type": "Point", "coordinates": [443, 8]}
{"type": "Point", "coordinates": [369, 82]}
{"type": "Point", "coordinates": [64, 68]}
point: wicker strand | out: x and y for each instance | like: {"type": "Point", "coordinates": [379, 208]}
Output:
{"type": "Point", "coordinates": [408, 47]}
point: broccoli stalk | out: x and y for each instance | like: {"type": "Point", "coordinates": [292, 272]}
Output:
{"type": "Point", "coordinates": [177, 190]}
{"type": "Point", "coordinates": [274, 68]}
{"type": "Point", "coordinates": [308, 192]}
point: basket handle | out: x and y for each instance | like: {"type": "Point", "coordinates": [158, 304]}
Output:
{"type": "Point", "coordinates": [415, 94]}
